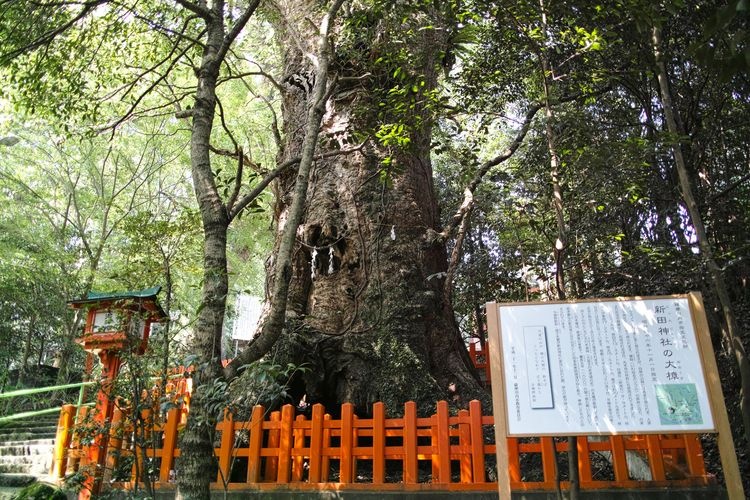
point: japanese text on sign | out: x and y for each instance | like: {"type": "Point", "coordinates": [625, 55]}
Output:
{"type": "Point", "coordinates": [602, 367]}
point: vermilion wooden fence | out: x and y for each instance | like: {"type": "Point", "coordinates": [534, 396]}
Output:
{"type": "Point", "coordinates": [281, 450]}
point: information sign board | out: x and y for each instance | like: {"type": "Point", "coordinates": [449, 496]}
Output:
{"type": "Point", "coordinates": [602, 367]}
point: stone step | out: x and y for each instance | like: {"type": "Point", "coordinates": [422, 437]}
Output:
{"type": "Point", "coordinates": [15, 468]}
{"type": "Point", "coordinates": [29, 442]}
{"type": "Point", "coordinates": [33, 469]}
{"type": "Point", "coordinates": [27, 436]}
{"type": "Point", "coordinates": [25, 449]}
{"type": "Point", "coordinates": [30, 422]}
{"type": "Point", "coordinates": [16, 480]}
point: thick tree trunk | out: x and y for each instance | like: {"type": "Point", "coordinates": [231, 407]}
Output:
{"type": "Point", "coordinates": [366, 308]}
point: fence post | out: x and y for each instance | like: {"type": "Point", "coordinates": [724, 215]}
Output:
{"type": "Point", "coordinates": [226, 447]}
{"type": "Point", "coordinates": [62, 441]}
{"type": "Point", "coordinates": [256, 440]}
{"type": "Point", "coordinates": [347, 430]}
{"type": "Point", "coordinates": [168, 444]}
{"type": "Point", "coordinates": [694, 455]}
{"type": "Point", "coordinates": [585, 477]}
{"type": "Point", "coordinates": [325, 462]}
{"type": "Point", "coordinates": [547, 447]}
{"type": "Point", "coordinates": [285, 443]}
{"type": "Point", "coordinates": [298, 460]}
{"type": "Point", "coordinates": [272, 463]}
{"type": "Point", "coordinates": [79, 459]}
{"type": "Point", "coordinates": [114, 446]}
{"type": "Point", "coordinates": [464, 445]}
{"type": "Point", "coordinates": [655, 459]}
{"type": "Point", "coordinates": [410, 442]}
{"type": "Point", "coordinates": [619, 459]}
{"type": "Point", "coordinates": [477, 441]}
{"type": "Point", "coordinates": [378, 443]}
{"type": "Point", "coordinates": [316, 442]}
{"type": "Point", "coordinates": [514, 460]}
{"type": "Point", "coordinates": [443, 444]}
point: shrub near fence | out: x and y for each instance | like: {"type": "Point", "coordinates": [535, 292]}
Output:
{"type": "Point", "coordinates": [279, 450]}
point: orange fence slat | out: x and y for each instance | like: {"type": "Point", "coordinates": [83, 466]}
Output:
{"type": "Point", "coordinates": [584, 461]}
{"type": "Point", "coordinates": [464, 443]}
{"type": "Point", "coordinates": [655, 459]}
{"type": "Point", "coordinates": [316, 442]}
{"type": "Point", "coordinates": [227, 443]}
{"type": "Point", "coordinates": [477, 441]}
{"type": "Point", "coordinates": [254, 443]}
{"type": "Point", "coordinates": [298, 460]}
{"type": "Point", "coordinates": [169, 444]}
{"type": "Point", "coordinates": [378, 443]}
{"type": "Point", "coordinates": [619, 460]}
{"type": "Point", "coordinates": [274, 437]}
{"type": "Point", "coordinates": [549, 466]}
{"type": "Point", "coordinates": [410, 442]}
{"type": "Point", "coordinates": [694, 455]}
{"type": "Point", "coordinates": [285, 450]}
{"type": "Point", "coordinates": [285, 443]}
{"type": "Point", "coordinates": [346, 462]}
{"type": "Point", "coordinates": [443, 444]}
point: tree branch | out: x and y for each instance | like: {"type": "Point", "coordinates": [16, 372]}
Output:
{"type": "Point", "coordinates": [199, 10]}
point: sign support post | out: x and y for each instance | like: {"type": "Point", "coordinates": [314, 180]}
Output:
{"type": "Point", "coordinates": [727, 453]}
{"type": "Point", "coordinates": [498, 403]}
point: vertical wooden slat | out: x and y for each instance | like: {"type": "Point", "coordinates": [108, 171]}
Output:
{"type": "Point", "coordinates": [272, 463]}
{"type": "Point", "coordinates": [168, 444]}
{"type": "Point", "coordinates": [285, 443]}
{"type": "Point", "coordinates": [62, 441]}
{"type": "Point", "coordinates": [477, 441]}
{"type": "Point", "coordinates": [584, 461]}
{"type": "Point", "coordinates": [694, 455]}
{"type": "Point", "coordinates": [75, 444]}
{"type": "Point", "coordinates": [114, 445]}
{"type": "Point", "coordinates": [255, 442]}
{"type": "Point", "coordinates": [325, 463]}
{"type": "Point", "coordinates": [316, 442]}
{"type": "Point", "coordinates": [410, 442]}
{"type": "Point", "coordinates": [514, 460]}
{"type": "Point", "coordinates": [548, 459]}
{"type": "Point", "coordinates": [655, 459]}
{"type": "Point", "coordinates": [378, 443]}
{"type": "Point", "coordinates": [434, 460]}
{"type": "Point", "coordinates": [464, 444]}
{"type": "Point", "coordinates": [298, 461]}
{"type": "Point", "coordinates": [225, 450]}
{"type": "Point", "coordinates": [619, 460]}
{"type": "Point", "coordinates": [443, 443]}
{"type": "Point", "coordinates": [346, 464]}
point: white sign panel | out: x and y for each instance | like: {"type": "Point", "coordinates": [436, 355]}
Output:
{"type": "Point", "coordinates": [620, 366]}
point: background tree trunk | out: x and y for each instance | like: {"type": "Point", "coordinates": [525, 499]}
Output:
{"type": "Point", "coordinates": [731, 332]}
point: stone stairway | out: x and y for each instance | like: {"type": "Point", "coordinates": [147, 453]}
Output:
{"type": "Point", "coordinates": [26, 449]}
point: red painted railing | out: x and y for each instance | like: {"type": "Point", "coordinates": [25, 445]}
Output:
{"type": "Point", "coordinates": [281, 450]}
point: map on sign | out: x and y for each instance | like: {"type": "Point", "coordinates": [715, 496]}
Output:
{"type": "Point", "coordinates": [602, 367]}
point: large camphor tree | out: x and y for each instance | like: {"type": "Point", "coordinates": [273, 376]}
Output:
{"type": "Point", "coordinates": [366, 309]}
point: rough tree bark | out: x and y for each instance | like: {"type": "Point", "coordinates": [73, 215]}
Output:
{"type": "Point", "coordinates": [365, 308]}
{"type": "Point", "coordinates": [195, 462]}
